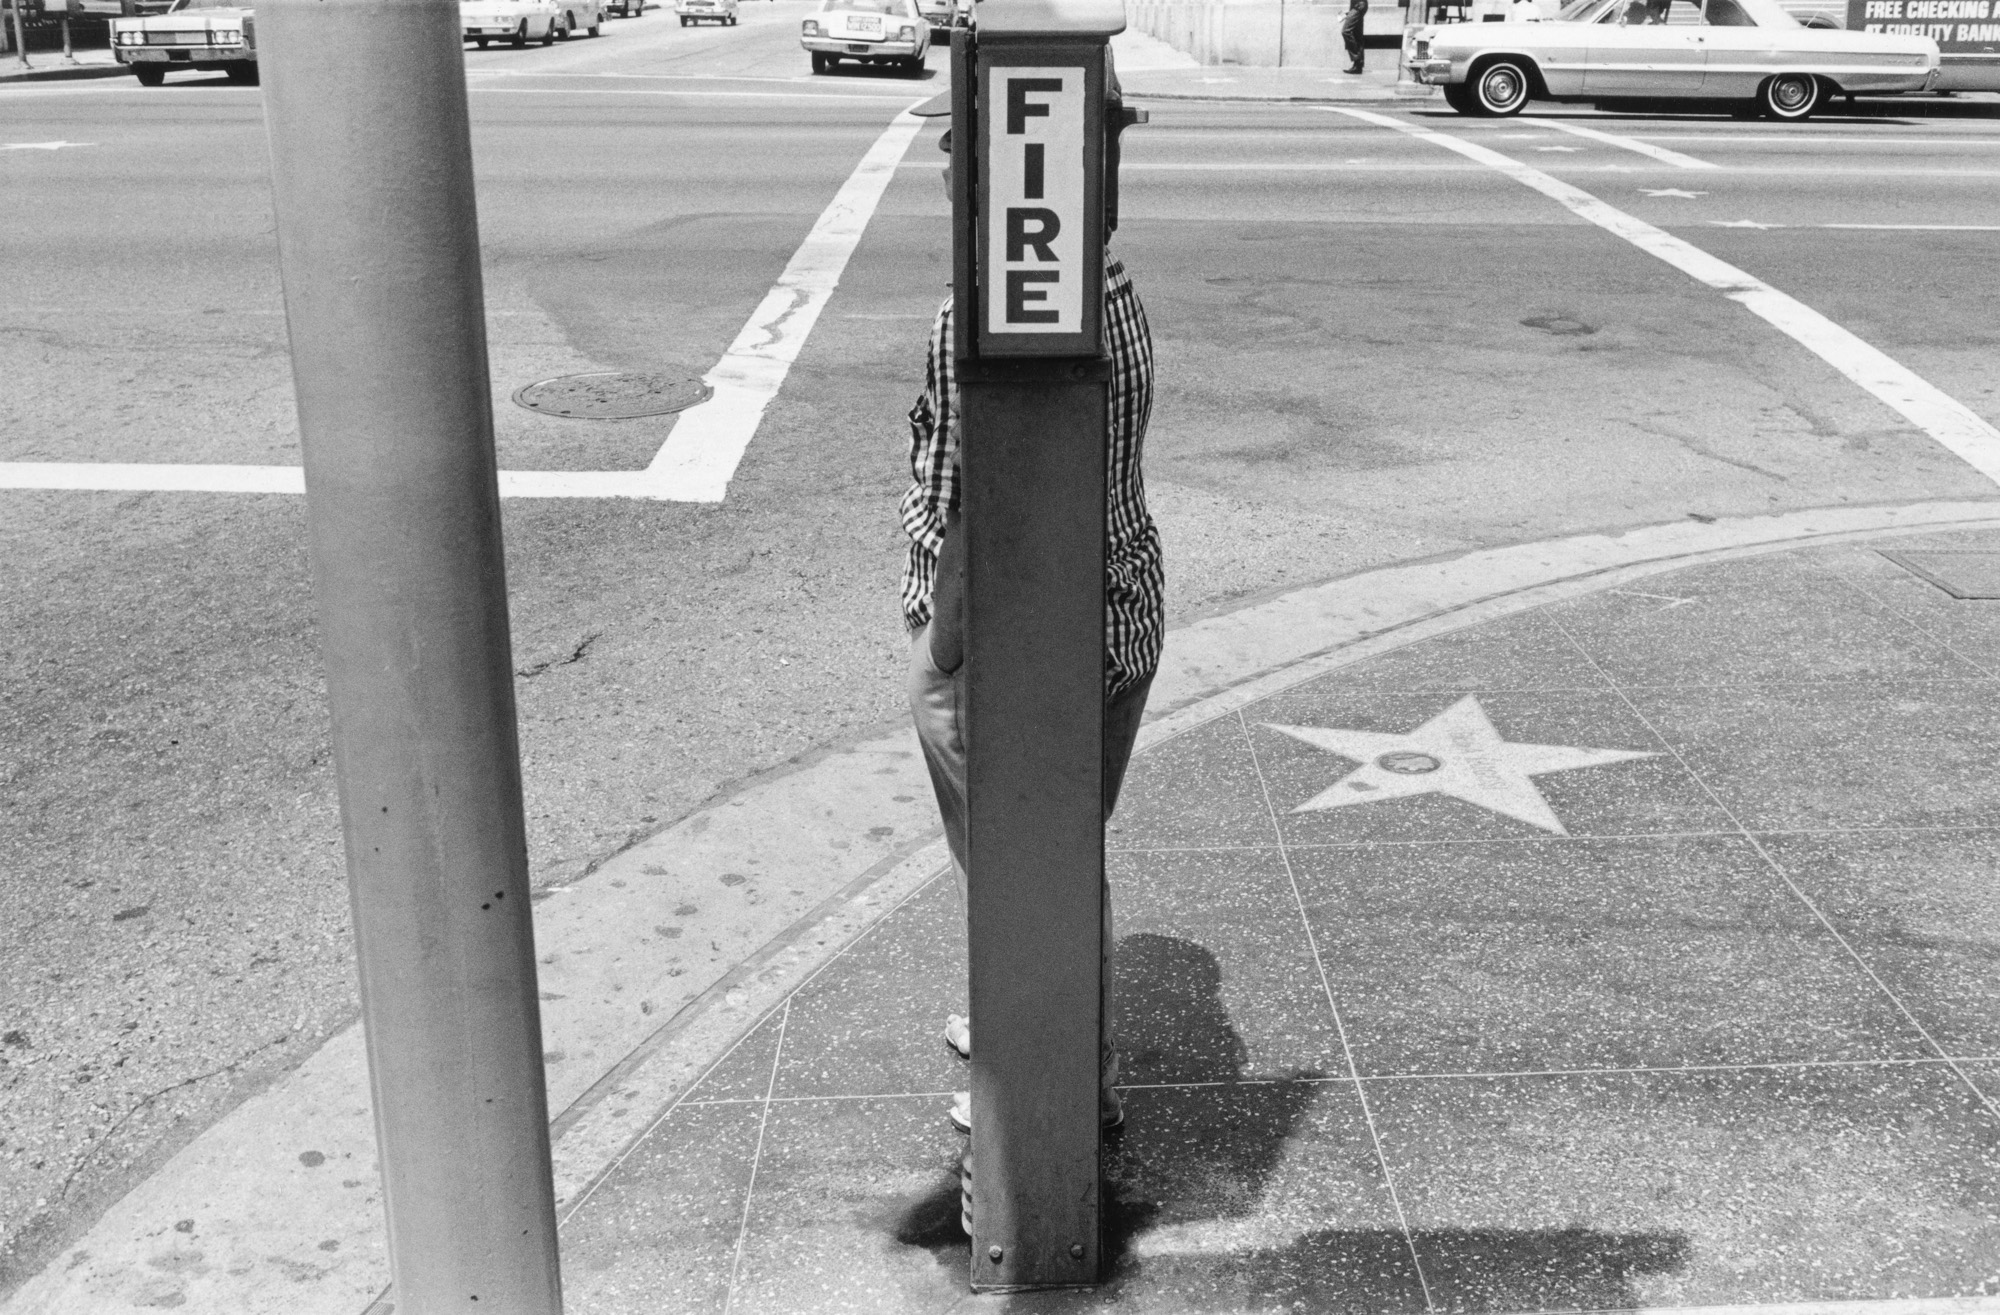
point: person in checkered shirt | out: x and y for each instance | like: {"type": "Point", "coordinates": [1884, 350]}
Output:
{"type": "Point", "coordinates": [1134, 592]}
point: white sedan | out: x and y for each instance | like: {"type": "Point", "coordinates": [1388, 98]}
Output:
{"type": "Point", "coordinates": [518, 22]}
{"type": "Point", "coordinates": [1601, 50]}
{"type": "Point", "coordinates": [867, 32]}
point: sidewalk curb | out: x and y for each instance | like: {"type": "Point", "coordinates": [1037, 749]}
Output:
{"type": "Point", "coordinates": [280, 1200]}
{"type": "Point", "coordinates": [62, 73]}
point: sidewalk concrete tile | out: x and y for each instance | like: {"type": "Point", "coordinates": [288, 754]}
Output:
{"type": "Point", "coordinates": [1922, 910]}
{"type": "Point", "coordinates": [1196, 791]}
{"type": "Point", "coordinates": [1860, 754]}
{"type": "Point", "coordinates": [744, 1074]}
{"type": "Point", "coordinates": [1779, 620]}
{"type": "Point", "coordinates": [872, 1022]}
{"type": "Point", "coordinates": [1573, 954]}
{"type": "Point", "coordinates": [660, 1233]}
{"type": "Point", "coordinates": [1523, 652]}
{"type": "Point", "coordinates": [1215, 979]}
{"type": "Point", "coordinates": [1724, 1188]}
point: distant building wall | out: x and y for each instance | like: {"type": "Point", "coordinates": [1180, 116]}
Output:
{"type": "Point", "coordinates": [1263, 33]}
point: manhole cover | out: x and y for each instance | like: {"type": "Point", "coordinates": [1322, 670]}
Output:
{"type": "Point", "coordinates": [613, 396]}
{"type": "Point", "coordinates": [1406, 763]}
{"type": "Point", "coordinates": [1962, 574]}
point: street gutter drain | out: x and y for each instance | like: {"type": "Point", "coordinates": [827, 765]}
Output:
{"type": "Point", "coordinates": [1962, 574]}
{"type": "Point", "coordinates": [613, 396]}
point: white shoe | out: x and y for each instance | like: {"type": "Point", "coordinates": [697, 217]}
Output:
{"type": "Point", "coordinates": [958, 1034]}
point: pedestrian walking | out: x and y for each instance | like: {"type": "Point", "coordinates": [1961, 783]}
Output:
{"type": "Point", "coordinates": [933, 597]}
{"type": "Point", "coordinates": [1350, 33]}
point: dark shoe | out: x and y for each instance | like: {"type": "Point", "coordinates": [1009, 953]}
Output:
{"type": "Point", "coordinates": [1356, 69]}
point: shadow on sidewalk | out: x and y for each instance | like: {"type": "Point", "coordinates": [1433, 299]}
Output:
{"type": "Point", "coordinates": [1203, 1141]}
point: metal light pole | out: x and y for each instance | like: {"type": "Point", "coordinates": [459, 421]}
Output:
{"type": "Point", "coordinates": [378, 243]}
{"type": "Point", "coordinates": [21, 34]}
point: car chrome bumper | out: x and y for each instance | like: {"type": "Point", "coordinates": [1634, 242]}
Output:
{"type": "Point", "coordinates": [1433, 72]}
{"type": "Point", "coordinates": [183, 54]}
{"type": "Point", "coordinates": [832, 46]}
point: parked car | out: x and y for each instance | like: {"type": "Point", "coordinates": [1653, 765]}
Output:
{"type": "Point", "coordinates": [627, 8]}
{"type": "Point", "coordinates": [706, 11]}
{"type": "Point", "coordinates": [867, 32]}
{"type": "Point", "coordinates": [518, 22]}
{"type": "Point", "coordinates": [939, 14]}
{"type": "Point", "coordinates": [1721, 50]}
{"type": "Point", "coordinates": [194, 34]}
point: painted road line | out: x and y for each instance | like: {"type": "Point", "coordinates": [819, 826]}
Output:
{"type": "Point", "coordinates": [1953, 424]}
{"type": "Point", "coordinates": [1919, 228]}
{"type": "Point", "coordinates": [707, 442]}
{"type": "Point", "coordinates": [1660, 153]}
{"type": "Point", "coordinates": [700, 456]}
{"type": "Point", "coordinates": [1808, 140]}
{"type": "Point", "coordinates": [675, 91]}
{"type": "Point", "coordinates": [110, 476]}
{"type": "Point", "coordinates": [265, 1216]}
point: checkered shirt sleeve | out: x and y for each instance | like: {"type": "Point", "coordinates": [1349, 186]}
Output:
{"type": "Point", "coordinates": [1135, 575]}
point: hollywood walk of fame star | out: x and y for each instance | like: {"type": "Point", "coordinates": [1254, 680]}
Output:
{"type": "Point", "coordinates": [1672, 191]}
{"type": "Point", "coordinates": [1456, 753]}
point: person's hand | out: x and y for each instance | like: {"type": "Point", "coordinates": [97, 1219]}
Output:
{"type": "Point", "coordinates": [947, 631]}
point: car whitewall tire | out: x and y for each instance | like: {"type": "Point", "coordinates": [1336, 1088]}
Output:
{"type": "Point", "coordinates": [1501, 88]}
{"type": "Point", "coordinates": [1790, 96]}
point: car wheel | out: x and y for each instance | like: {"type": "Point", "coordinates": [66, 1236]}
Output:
{"type": "Point", "coordinates": [596, 27]}
{"type": "Point", "coordinates": [1458, 95]}
{"type": "Point", "coordinates": [1789, 96]}
{"type": "Point", "coordinates": [149, 75]}
{"type": "Point", "coordinates": [480, 42]}
{"type": "Point", "coordinates": [1501, 88]}
{"type": "Point", "coordinates": [243, 75]}
{"type": "Point", "coordinates": [520, 37]}
{"type": "Point", "coordinates": [549, 36]}
{"type": "Point", "coordinates": [820, 62]}
{"type": "Point", "coordinates": [568, 27]}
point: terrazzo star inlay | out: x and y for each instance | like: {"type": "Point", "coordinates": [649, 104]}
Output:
{"type": "Point", "coordinates": [1456, 753]}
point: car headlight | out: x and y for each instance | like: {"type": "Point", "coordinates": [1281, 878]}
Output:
{"type": "Point", "coordinates": [906, 34]}
{"type": "Point", "coordinates": [809, 28]}
{"type": "Point", "coordinates": [222, 37]}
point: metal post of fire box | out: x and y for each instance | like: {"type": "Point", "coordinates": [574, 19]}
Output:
{"type": "Point", "coordinates": [1028, 150]}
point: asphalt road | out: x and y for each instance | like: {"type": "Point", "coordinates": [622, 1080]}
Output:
{"type": "Point", "coordinates": [1370, 350]}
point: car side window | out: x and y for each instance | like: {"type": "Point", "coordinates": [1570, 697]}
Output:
{"type": "Point", "coordinates": [1727, 13]}
{"type": "Point", "coordinates": [1684, 13]}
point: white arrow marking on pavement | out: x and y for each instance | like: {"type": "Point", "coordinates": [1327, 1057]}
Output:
{"type": "Point", "coordinates": [1671, 191]}
{"type": "Point", "coordinates": [40, 146]}
{"type": "Point", "coordinates": [1567, 150]}
{"type": "Point", "coordinates": [1954, 425]}
{"type": "Point", "coordinates": [1456, 753]}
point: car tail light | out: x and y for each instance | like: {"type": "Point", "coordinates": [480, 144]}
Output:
{"type": "Point", "coordinates": [250, 31]}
